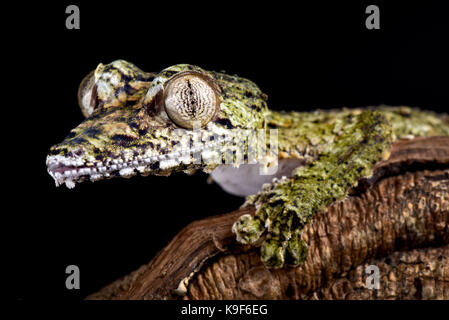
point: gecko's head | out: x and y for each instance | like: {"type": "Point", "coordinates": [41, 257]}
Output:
{"type": "Point", "coordinates": [147, 123]}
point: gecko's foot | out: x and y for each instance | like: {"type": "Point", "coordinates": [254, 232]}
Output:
{"type": "Point", "coordinates": [279, 248]}
{"type": "Point", "coordinates": [248, 229]}
{"type": "Point", "coordinates": [277, 253]}
{"type": "Point", "coordinates": [276, 225]}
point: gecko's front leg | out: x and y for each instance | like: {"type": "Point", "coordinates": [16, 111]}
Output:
{"type": "Point", "coordinates": [284, 207]}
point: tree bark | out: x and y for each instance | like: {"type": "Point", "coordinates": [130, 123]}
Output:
{"type": "Point", "coordinates": [396, 220]}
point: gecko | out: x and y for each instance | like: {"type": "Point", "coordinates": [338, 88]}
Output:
{"type": "Point", "coordinates": [185, 118]}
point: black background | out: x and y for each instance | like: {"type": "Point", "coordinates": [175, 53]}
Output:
{"type": "Point", "coordinates": [304, 56]}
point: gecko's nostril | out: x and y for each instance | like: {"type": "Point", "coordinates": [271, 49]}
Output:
{"type": "Point", "coordinates": [77, 153]}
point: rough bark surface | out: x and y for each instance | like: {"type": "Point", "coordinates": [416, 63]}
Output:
{"type": "Point", "coordinates": [398, 220]}
{"type": "Point", "coordinates": [399, 213]}
{"type": "Point", "coordinates": [415, 274]}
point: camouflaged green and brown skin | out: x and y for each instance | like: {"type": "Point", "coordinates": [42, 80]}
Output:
{"type": "Point", "coordinates": [128, 132]}
{"type": "Point", "coordinates": [341, 147]}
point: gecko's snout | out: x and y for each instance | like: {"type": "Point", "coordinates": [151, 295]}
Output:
{"type": "Point", "coordinates": [68, 166]}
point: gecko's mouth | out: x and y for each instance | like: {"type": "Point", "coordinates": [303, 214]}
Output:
{"type": "Point", "coordinates": [72, 169]}
{"type": "Point", "coordinates": [71, 173]}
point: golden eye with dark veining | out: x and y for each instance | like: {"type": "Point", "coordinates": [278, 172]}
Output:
{"type": "Point", "coordinates": [191, 98]}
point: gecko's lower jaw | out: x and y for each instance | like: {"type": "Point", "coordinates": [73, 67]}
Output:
{"type": "Point", "coordinates": [71, 169]}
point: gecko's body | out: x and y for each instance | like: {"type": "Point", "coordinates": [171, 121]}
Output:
{"type": "Point", "coordinates": [185, 118]}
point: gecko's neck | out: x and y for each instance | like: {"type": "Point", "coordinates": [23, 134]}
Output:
{"type": "Point", "coordinates": [304, 134]}
{"type": "Point", "coordinates": [247, 179]}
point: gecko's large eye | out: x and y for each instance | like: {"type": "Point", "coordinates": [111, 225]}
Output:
{"type": "Point", "coordinates": [191, 99]}
{"type": "Point", "coordinates": [87, 94]}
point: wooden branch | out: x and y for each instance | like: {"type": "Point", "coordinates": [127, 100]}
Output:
{"type": "Point", "coordinates": [404, 206]}
{"type": "Point", "coordinates": [414, 274]}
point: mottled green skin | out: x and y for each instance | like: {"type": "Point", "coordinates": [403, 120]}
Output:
{"type": "Point", "coordinates": [339, 147]}
{"type": "Point", "coordinates": [285, 206]}
{"type": "Point", "coordinates": [128, 125]}
{"type": "Point", "coordinates": [305, 134]}
{"type": "Point", "coordinates": [137, 127]}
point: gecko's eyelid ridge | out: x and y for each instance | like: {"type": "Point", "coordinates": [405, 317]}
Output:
{"type": "Point", "coordinates": [191, 99]}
